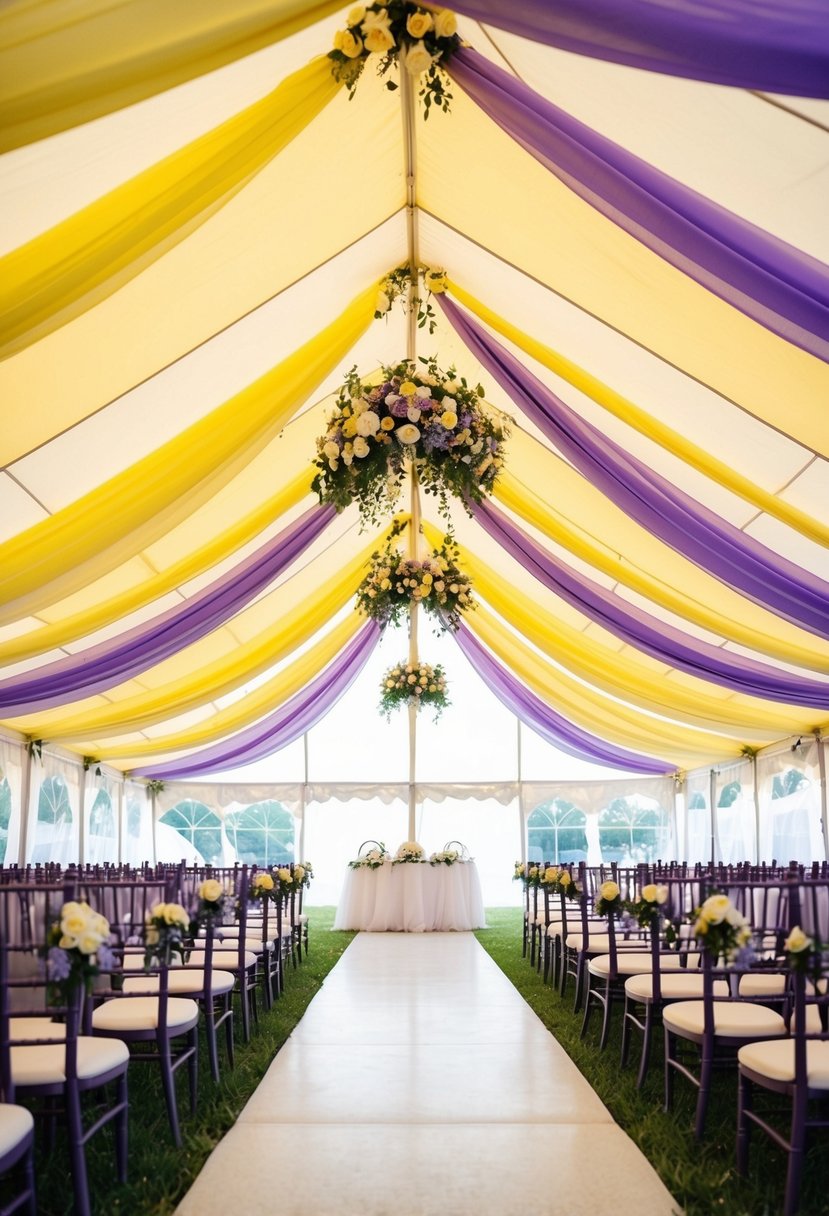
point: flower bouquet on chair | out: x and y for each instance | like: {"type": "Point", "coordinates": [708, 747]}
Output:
{"type": "Point", "coordinates": [77, 948]}
{"type": "Point", "coordinates": [166, 927]}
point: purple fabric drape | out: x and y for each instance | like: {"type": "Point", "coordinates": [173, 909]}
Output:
{"type": "Point", "coordinates": [776, 48]}
{"type": "Point", "coordinates": [536, 714]}
{"type": "Point", "coordinates": [714, 544]}
{"type": "Point", "coordinates": [107, 664]}
{"type": "Point", "coordinates": [775, 284]}
{"type": "Point", "coordinates": [640, 629]}
{"type": "Point", "coordinates": [283, 726]}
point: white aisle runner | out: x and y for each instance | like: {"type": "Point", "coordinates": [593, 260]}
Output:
{"type": "Point", "coordinates": [419, 1083]}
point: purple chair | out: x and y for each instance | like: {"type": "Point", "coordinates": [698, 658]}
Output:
{"type": "Point", "coordinates": [45, 1058]}
{"type": "Point", "coordinates": [17, 1137]}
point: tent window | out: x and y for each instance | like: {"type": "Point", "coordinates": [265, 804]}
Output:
{"type": "Point", "coordinates": [556, 831]}
{"type": "Point", "coordinates": [262, 833]}
{"type": "Point", "coordinates": [632, 830]}
{"type": "Point", "coordinates": [5, 816]}
{"type": "Point", "coordinates": [200, 827]}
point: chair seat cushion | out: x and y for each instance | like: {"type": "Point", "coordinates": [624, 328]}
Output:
{"type": "Point", "coordinates": [632, 962]}
{"type": "Point", "coordinates": [16, 1123]}
{"type": "Point", "coordinates": [679, 985]}
{"type": "Point", "coordinates": [762, 983]}
{"type": "Point", "coordinates": [46, 1065]}
{"type": "Point", "coordinates": [732, 1019]}
{"type": "Point", "coordinates": [125, 1014]}
{"type": "Point", "coordinates": [225, 960]}
{"type": "Point", "coordinates": [597, 943]}
{"type": "Point", "coordinates": [775, 1060]}
{"type": "Point", "coordinates": [36, 1028]}
{"type": "Point", "coordinates": [188, 982]}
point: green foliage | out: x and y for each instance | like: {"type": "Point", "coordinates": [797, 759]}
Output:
{"type": "Point", "coordinates": [702, 1177]}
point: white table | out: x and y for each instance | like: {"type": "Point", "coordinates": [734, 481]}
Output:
{"type": "Point", "coordinates": [413, 897]}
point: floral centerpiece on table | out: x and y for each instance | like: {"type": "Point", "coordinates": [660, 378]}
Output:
{"type": "Point", "coordinates": [416, 414]}
{"type": "Point", "coordinates": [721, 930]}
{"type": "Point", "coordinates": [645, 909]}
{"type": "Point", "coordinates": [392, 31]}
{"type": "Point", "coordinates": [609, 899]}
{"type": "Point", "coordinates": [371, 860]}
{"type": "Point", "coordinates": [77, 947]}
{"type": "Point", "coordinates": [446, 857]}
{"type": "Point", "coordinates": [165, 928]}
{"type": "Point", "coordinates": [409, 850]}
{"type": "Point", "coordinates": [437, 583]}
{"type": "Point", "coordinates": [413, 684]}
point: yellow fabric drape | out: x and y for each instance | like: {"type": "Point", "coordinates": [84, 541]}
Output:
{"type": "Point", "coordinates": [558, 528]}
{"type": "Point", "coordinates": [255, 705]}
{"type": "Point", "coordinates": [61, 273]}
{"type": "Point", "coordinates": [211, 680]}
{"type": "Point", "coordinates": [622, 675]}
{"type": "Point", "coordinates": [695, 456]}
{"type": "Point", "coordinates": [121, 517]}
{"type": "Point", "coordinates": [51, 636]}
{"type": "Point", "coordinates": [65, 62]}
{"type": "Point", "coordinates": [604, 717]}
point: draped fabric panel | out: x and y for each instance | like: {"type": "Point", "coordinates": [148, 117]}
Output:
{"type": "Point", "coordinates": [65, 62]}
{"type": "Point", "coordinates": [544, 720]}
{"type": "Point", "coordinates": [288, 723]}
{"type": "Point", "coordinates": [125, 514]}
{"type": "Point", "coordinates": [58, 275]}
{"type": "Point", "coordinates": [645, 632]}
{"type": "Point", "coordinates": [712, 543]}
{"type": "Point", "coordinates": [779, 48]}
{"type": "Point", "coordinates": [773, 283]}
{"type": "Point", "coordinates": [102, 666]}
{"type": "Point", "coordinates": [700, 458]}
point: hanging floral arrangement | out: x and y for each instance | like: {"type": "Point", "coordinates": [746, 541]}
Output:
{"type": "Point", "coordinates": [416, 413]}
{"type": "Point", "coordinates": [413, 684]}
{"type": "Point", "coordinates": [392, 31]}
{"type": "Point", "coordinates": [437, 583]}
{"type": "Point", "coordinates": [396, 284]}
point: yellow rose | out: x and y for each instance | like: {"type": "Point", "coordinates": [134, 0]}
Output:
{"type": "Point", "coordinates": [338, 40]}
{"type": "Point", "coordinates": [210, 891]}
{"type": "Point", "coordinates": [283, 874]}
{"type": "Point", "coordinates": [357, 15]}
{"type": "Point", "coordinates": [387, 424]}
{"type": "Point", "coordinates": [449, 419]}
{"type": "Point", "coordinates": [797, 941]}
{"type": "Point", "coordinates": [263, 881]}
{"type": "Point", "coordinates": [174, 914]}
{"type": "Point", "coordinates": [351, 45]}
{"type": "Point", "coordinates": [418, 24]}
{"type": "Point", "coordinates": [446, 24]}
{"type": "Point", "coordinates": [565, 879]}
{"type": "Point", "coordinates": [407, 389]}
{"type": "Point", "coordinates": [649, 893]}
{"type": "Point", "coordinates": [299, 873]}
{"type": "Point", "coordinates": [609, 890]}
{"type": "Point", "coordinates": [74, 918]}
{"type": "Point", "coordinates": [378, 40]}
{"type": "Point", "coordinates": [88, 942]}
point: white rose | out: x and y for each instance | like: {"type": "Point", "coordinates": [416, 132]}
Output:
{"type": "Point", "coordinates": [797, 941]}
{"type": "Point", "coordinates": [418, 59]}
{"type": "Point", "coordinates": [361, 448]}
{"type": "Point", "coordinates": [368, 423]}
{"type": "Point", "coordinates": [407, 433]}
{"type": "Point", "coordinates": [331, 450]}
{"type": "Point", "coordinates": [383, 303]}
{"type": "Point", "coordinates": [446, 23]}
{"type": "Point", "coordinates": [413, 413]}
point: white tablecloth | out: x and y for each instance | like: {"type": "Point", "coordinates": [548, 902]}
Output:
{"type": "Point", "coordinates": [413, 897]}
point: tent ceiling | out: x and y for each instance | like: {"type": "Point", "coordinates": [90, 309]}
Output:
{"type": "Point", "coordinates": [167, 342]}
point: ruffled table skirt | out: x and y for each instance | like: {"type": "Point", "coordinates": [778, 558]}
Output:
{"type": "Point", "coordinates": [413, 897]}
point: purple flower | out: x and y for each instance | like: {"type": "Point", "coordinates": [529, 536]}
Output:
{"type": "Point", "coordinates": [746, 957]}
{"type": "Point", "coordinates": [400, 408]}
{"type": "Point", "coordinates": [106, 957]}
{"type": "Point", "coordinates": [58, 964]}
{"type": "Point", "coordinates": [464, 420]}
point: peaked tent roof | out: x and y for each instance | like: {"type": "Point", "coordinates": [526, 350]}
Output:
{"type": "Point", "coordinates": [195, 220]}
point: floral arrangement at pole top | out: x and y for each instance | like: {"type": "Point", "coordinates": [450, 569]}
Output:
{"type": "Point", "coordinates": [388, 30]}
{"type": "Point", "coordinates": [413, 684]}
{"type": "Point", "coordinates": [395, 285]}
{"type": "Point", "coordinates": [77, 947]}
{"type": "Point", "coordinates": [418, 414]}
{"type": "Point", "coordinates": [409, 850]}
{"type": "Point", "coordinates": [437, 583]}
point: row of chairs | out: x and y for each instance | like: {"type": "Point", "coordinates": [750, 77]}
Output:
{"type": "Point", "coordinates": [59, 1044]}
{"type": "Point", "coordinates": [754, 1011]}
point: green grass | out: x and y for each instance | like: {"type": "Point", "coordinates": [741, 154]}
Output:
{"type": "Point", "coordinates": [159, 1174]}
{"type": "Point", "coordinates": [701, 1177]}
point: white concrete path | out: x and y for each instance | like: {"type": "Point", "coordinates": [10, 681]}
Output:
{"type": "Point", "coordinates": [419, 1083]}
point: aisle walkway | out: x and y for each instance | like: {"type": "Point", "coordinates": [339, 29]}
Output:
{"type": "Point", "coordinates": [419, 1083]}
